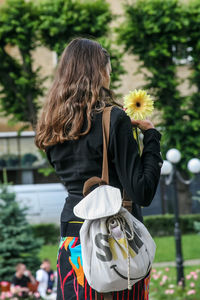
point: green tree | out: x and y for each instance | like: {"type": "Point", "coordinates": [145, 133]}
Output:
{"type": "Point", "coordinates": [157, 31]}
{"type": "Point", "coordinates": [20, 83]}
{"type": "Point", "coordinates": [164, 34]}
{"type": "Point", "coordinates": [26, 25]}
{"type": "Point", "coordinates": [17, 242]}
{"type": "Point", "coordinates": [63, 20]}
{"type": "Point", "coordinates": [192, 128]}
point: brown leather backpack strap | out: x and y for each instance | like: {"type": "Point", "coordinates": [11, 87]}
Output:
{"type": "Point", "coordinates": [105, 175]}
{"type": "Point", "coordinates": [106, 134]}
{"type": "Point", "coordinates": [90, 183]}
{"type": "Point", "coordinates": [126, 203]}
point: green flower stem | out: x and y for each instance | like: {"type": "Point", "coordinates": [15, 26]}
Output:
{"type": "Point", "coordinates": [137, 139]}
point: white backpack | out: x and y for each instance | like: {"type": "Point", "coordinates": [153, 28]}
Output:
{"type": "Point", "coordinates": [117, 249]}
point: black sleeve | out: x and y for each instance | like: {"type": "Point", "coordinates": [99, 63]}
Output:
{"type": "Point", "coordinates": [139, 176]}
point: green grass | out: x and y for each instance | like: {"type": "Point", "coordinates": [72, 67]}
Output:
{"type": "Point", "coordinates": [165, 249]}
{"type": "Point", "coordinates": [50, 252]}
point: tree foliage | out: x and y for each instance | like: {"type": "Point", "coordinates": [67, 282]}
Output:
{"type": "Point", "coordinates": [161, 34]}
{"type": "Point", "coordinates": [20, 84]}
{"type": "Point", "coordinates": [26, 25]}
{"type": "Point", "coordinates": [61, 21]}
{"type": "Point", "coordinates": [17, 242]}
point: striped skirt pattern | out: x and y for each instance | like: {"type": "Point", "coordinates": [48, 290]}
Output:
{"type": "Point", "coordinates": [72, 284]}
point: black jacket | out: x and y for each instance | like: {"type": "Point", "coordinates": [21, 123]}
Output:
{"type": "Point", "coordinates": [76, 161]}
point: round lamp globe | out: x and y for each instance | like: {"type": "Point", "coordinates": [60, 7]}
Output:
{"type": "Point", "coordinates": [194, 165]}
{"type": "Point", "coordinates": [166, 168]}
{"type": "Point", "coordinates": [173, 155]}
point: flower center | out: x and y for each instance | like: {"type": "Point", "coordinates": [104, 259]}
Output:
{"type": "Point", "coordinates": [138, 104]}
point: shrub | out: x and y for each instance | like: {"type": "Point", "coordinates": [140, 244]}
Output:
{"type": "Point", "coordinates": [50, 233]}
{"type": "Point", "coordinates": [28, 159]}
{"type": "Point", "coordinates": [163, 225]}
{"type": "Point", "coordinates": [17, 242]}
{"type": "Point", "coordinates": [197, 227]}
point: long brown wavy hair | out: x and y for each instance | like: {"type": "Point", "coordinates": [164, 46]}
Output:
{"type": "Point", "coordinates": [77, 90]}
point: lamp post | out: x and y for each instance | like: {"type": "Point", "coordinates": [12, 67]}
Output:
{"type": "Point", "coordinates": [172, 175]}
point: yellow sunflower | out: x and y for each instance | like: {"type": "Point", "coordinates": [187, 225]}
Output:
{"type": "Point", "coordinates": [138, 104]}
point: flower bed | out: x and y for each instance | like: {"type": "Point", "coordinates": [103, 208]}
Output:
{"type": "Point", "coordinates": [163, 284]}
{"type": "Point", "coordinates": [10, 296]}
{"type": "Point", "coordinates": [6, 294]}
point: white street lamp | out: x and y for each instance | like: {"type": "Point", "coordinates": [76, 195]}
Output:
{"type": "Point", "coordinates": [194, 165]}
{"type": "Point", "coordinates": [166, 168]}
{"type": "Point", "coordinates": [173, 155]}
{"type": "Point", "coordinates": [169, 169]}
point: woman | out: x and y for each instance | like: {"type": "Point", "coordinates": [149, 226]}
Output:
{"type": "Point", "coordinates": [70, 131]}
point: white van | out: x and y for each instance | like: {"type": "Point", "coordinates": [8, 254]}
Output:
{"type": "Point", "coordinates": [44, 201]}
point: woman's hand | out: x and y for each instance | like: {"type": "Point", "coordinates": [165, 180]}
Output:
{"type": "Point", "coordinates": [142, 124]}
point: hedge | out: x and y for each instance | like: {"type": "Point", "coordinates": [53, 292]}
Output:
{"type": "Point", "coordinates": [158, 225]}
{"type": "Point", "coordinates": [50, 233]}
{"type": "Point", "coordinates": [163, 225]}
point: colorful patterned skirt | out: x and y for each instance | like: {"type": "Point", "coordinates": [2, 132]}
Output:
{"type": "Point", "coordinates": [72, 284]}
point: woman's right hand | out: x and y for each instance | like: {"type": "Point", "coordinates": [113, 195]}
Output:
{"type": "Point", "coordinates": [142, 124]}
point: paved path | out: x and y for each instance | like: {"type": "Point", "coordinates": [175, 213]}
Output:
{"type": "Point", "coordinates": [192, 262]}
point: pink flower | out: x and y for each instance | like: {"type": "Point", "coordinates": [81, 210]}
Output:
{"type": "Point", "coordinates": [9, 294]}
{"type": "Point", "coordinates": [180, 283]}
{"type": "Point", "coordinates": [17, 286]}
{"type": "Point", "coordinates": [192, 284]}
{"type": "Point", "coordinates": [3, 295]}
{"type": "Point", "coordinates": [193, 273]}
{"type": "Point", "coordinates": [4, 283]}
{"type": "Point", "coordinates": [165, 278]}
{"type": "Point", "coordinates": [167, 269]}
{"type": "Point", "coordinates": [189, 276]}
{"type": "Point", "coordinates": [191, 292]}
{"type": "Point", "coordinates": [155, 276]}
{"type": "Point", "coordinates": [153, 270]}
{"type": "Point", "coordinates": [37, 294]}
{"type": "Point", "coordinates": [169, 292]}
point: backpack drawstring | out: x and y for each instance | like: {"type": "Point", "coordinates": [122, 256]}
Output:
{"type": "Point", "coordinates": [116, 226]}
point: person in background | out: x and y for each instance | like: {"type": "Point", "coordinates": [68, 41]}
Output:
{"type": "Point", "coordinates": [42, 277]}
{"type": "Point", "coordinates": [51, 277]}
{"type": "Point", "coordinates": [19, 283]}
